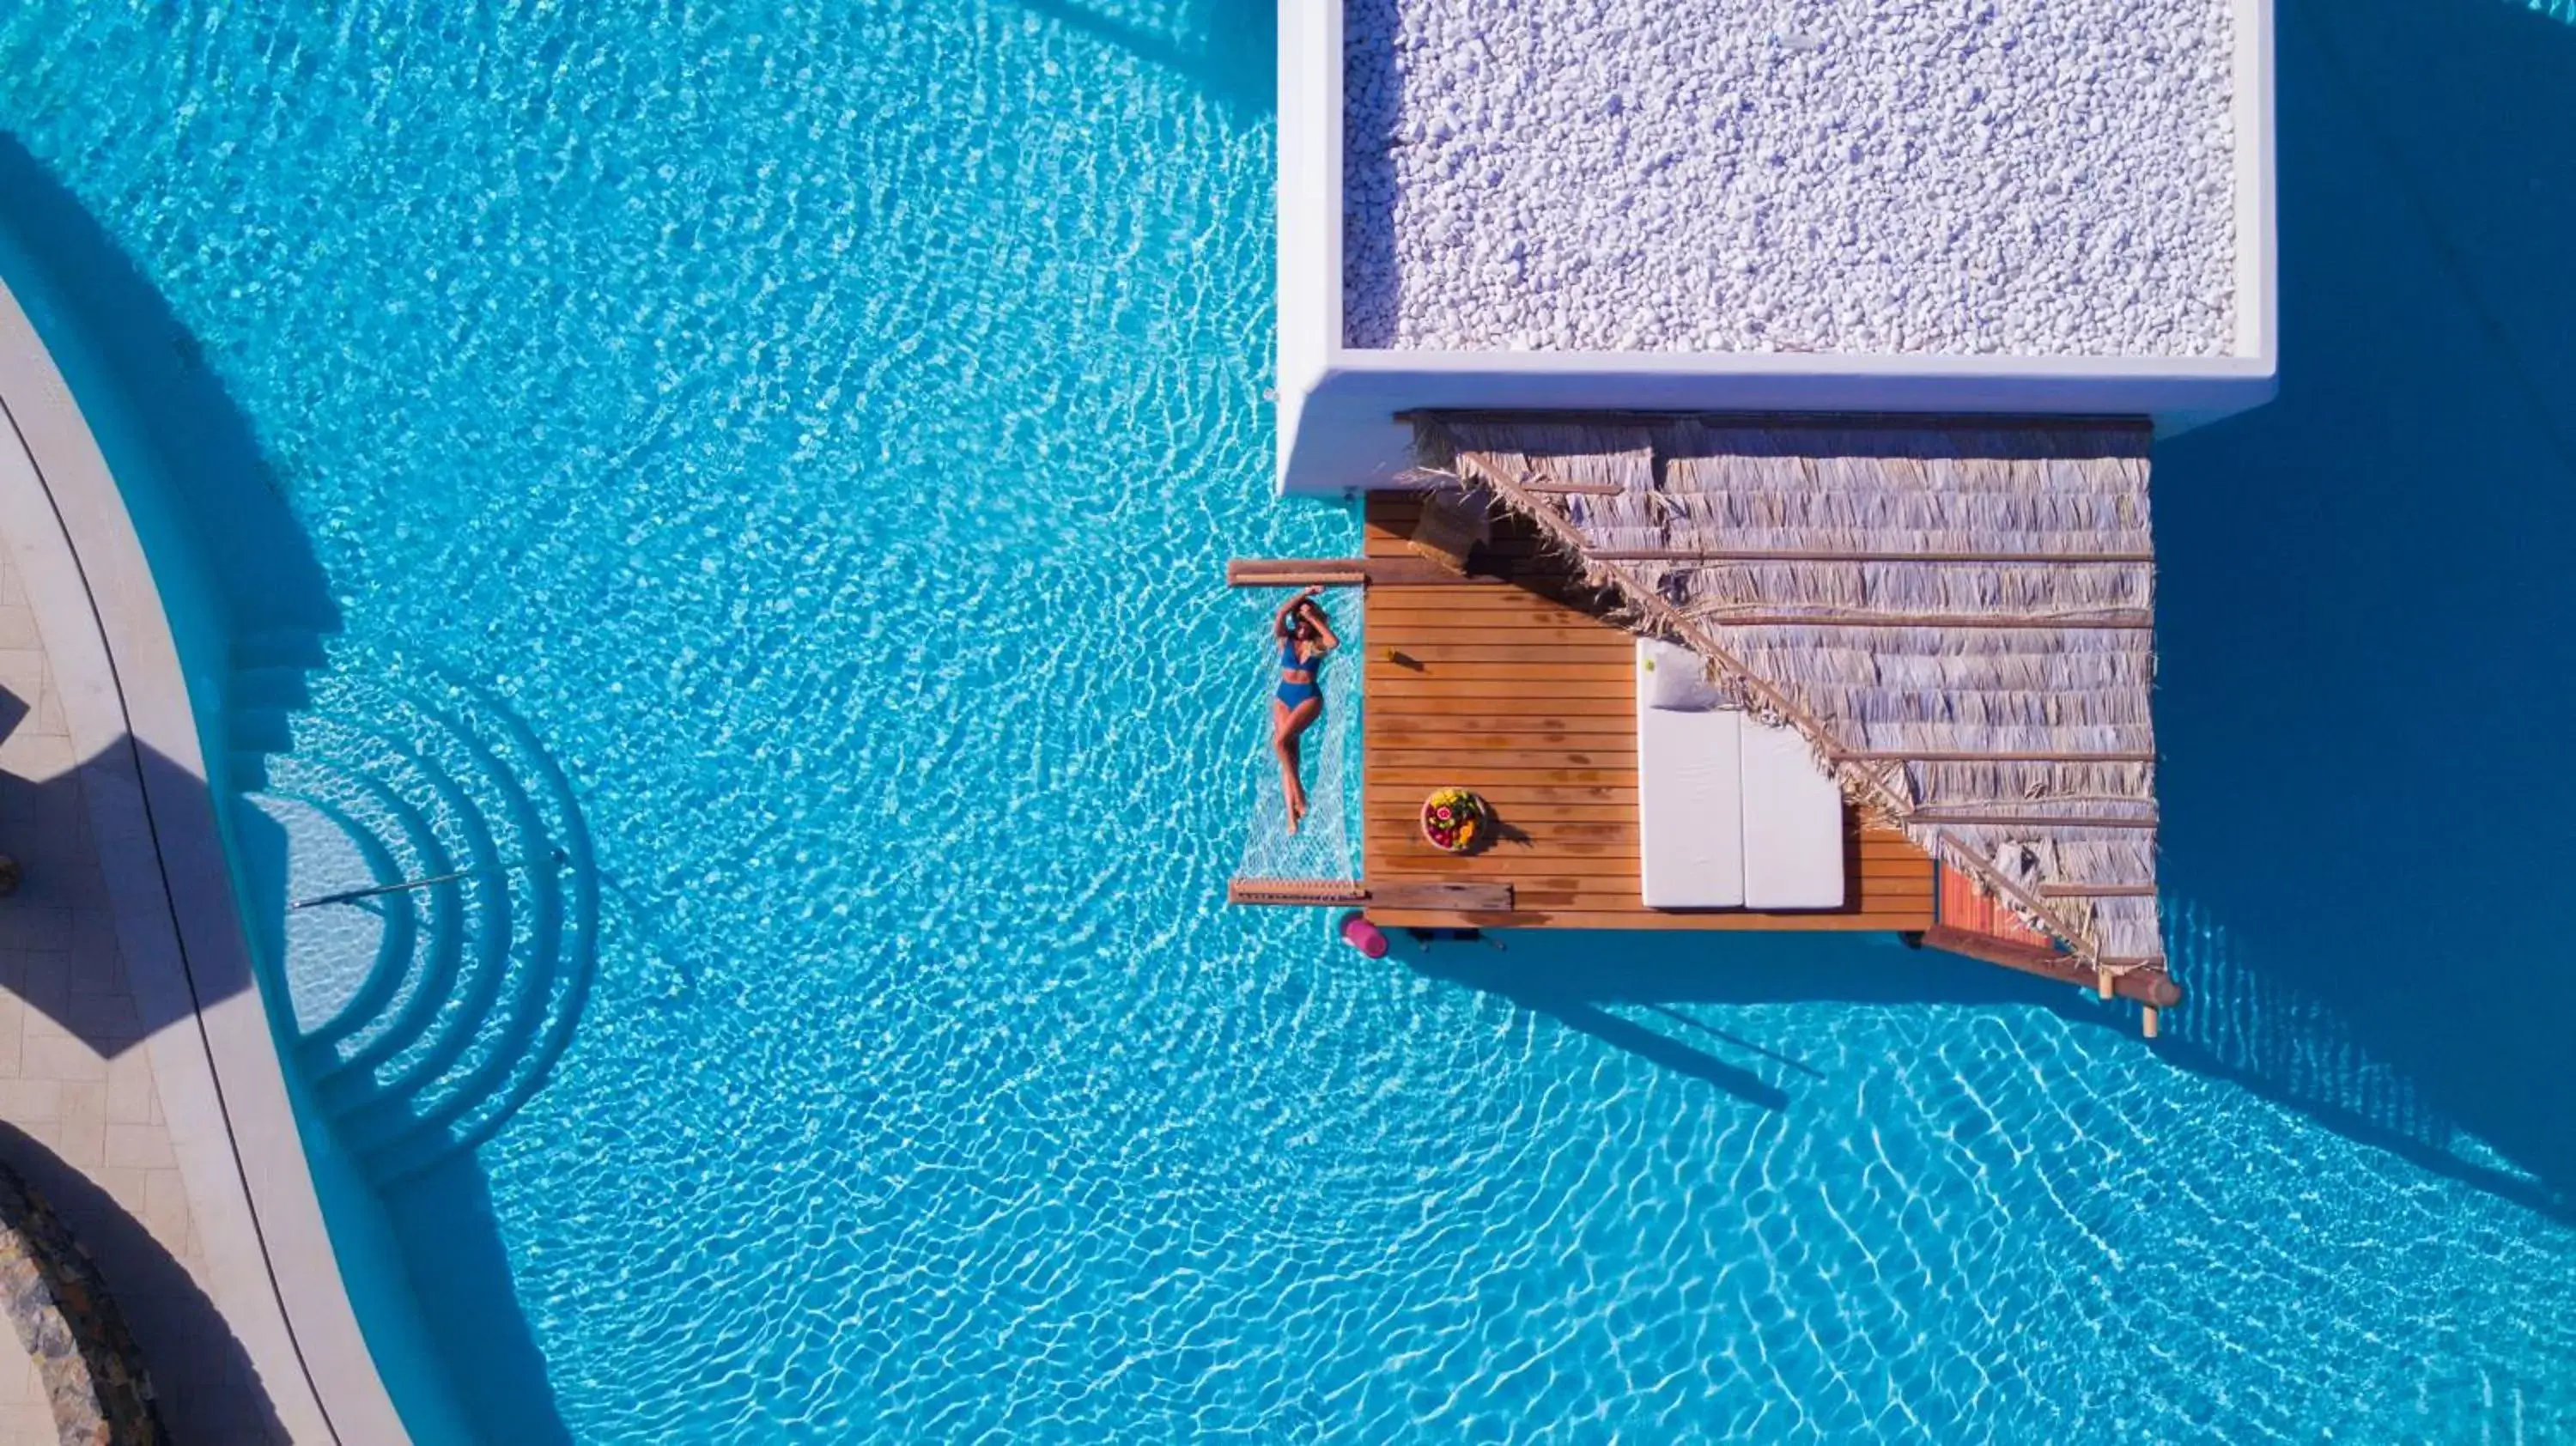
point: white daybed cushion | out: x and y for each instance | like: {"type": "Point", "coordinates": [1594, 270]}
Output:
{"type": "Point", "coordinates": [1793, 823]}
{"type": "Point", "coordinates": [1690, 809]}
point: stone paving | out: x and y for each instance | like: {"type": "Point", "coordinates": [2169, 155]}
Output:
{"type": "Point", "coordinates": [76, 1084]}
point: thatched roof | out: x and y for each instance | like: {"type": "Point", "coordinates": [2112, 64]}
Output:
{"type": "Point", "coordinates": [1956, 616]}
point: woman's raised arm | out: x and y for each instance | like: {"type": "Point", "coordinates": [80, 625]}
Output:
{"type": "Point", "coordinates": [1324, 630]}
{"type": "Point", "coordinates": [1279, 619]}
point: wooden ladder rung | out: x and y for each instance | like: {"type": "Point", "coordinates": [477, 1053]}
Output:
{"type": "Point", "coordinates": [1294, 892]}
{"type": "Point", "coordinates": [1475, 897]}
{"type": "Point", "coordinates": [1296, 571]}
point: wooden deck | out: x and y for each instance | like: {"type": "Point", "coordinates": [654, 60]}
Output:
{"type": "Point", "coordinates": [1513, 684]}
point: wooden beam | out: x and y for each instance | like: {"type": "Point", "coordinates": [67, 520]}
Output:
{"type": "Point", "coordinates": [1475, 897]}
{"type": "Point", "coordinates": [1900, 755]}
{"type": "Point", "coordinates": [1295, 571]}
{"type": "Point", "coordinates": [1675, 554]}
{"type": "Point", "coordinates": [1471, 895]}
{"type": "Point", "coordinates": [2129, 620]}
{"type": "Point", "coordinates": [1295, 891]}
{"type": "Point", "coordinates": [2147, 986]}
{"type": "Point", "coordinates": [2097, 891]}
{"type": "Point", "coordinates": [1826, 421]}
{"type": "Point", "coordinates": [2030, 820]}
{"type": "Point", "coordinates": [1898, 918]}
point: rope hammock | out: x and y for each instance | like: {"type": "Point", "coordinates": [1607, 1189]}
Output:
{"type": "Point", "coordinates": [1326, 846]}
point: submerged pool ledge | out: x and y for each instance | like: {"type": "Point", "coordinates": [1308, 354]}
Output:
{"type": "Point", "coordinates": [272, 1271]}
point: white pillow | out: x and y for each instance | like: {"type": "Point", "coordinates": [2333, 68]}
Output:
{"type": "Point", "coordinates": [1676, 678]}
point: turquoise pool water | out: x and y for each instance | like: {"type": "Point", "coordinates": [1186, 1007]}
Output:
{"type": "Point", "coordinates": [816, 431]}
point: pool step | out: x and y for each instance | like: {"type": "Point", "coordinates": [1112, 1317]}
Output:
{"type": "Point", "coordinates": [265, 686]}
{"type": "Point", "coordinates": [300, 649]}
{"type": "Point", "coordinates": [258, 730]}
{"type": "Point", "coordinates": [511, 1058]}
{"type": "Point", "coordinates": [477, 974]}
{"type": "Point", "coordinates": [246, 771]}
{"type": "Point", "coordinates": [285, 687]}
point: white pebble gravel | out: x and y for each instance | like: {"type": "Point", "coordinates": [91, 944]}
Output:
{"type": "Point", "coordinates": [2023, 177]}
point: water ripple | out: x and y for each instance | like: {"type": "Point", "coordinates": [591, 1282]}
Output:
{"type": "Point", "coordinates": [826, 425]}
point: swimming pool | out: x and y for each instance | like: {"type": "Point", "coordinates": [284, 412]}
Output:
{"type": "Point", "coordinates": [817, 432]}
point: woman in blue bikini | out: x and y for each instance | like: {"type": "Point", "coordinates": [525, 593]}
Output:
{"type": "Point", "coordinates": [1305, 636]}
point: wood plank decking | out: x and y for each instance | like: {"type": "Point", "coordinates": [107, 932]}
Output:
{"type": "Point", "coordinates": [1513, 683]}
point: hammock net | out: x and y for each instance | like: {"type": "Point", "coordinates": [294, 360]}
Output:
{"type": "Point", "coordinates": [1327, 845]}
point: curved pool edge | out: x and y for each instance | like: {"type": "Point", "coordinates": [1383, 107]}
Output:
{"type": "Point", "coordinates": [273, 1272]}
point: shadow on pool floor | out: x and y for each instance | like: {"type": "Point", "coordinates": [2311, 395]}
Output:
{"type": "Point", "coordinates": [2365, 633]}
{"type": "Point", "coordinates": [2367, 643]}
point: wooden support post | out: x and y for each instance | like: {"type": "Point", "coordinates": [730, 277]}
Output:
{"type": "Point", "coordinates": [2149, 1017]}
{"type": "Point", "coordinates": [2102, 982]}
{"type": "Point", "coordinates": [2151, 987]}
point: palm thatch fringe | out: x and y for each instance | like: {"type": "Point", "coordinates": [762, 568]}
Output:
{"type": "Point", "coordinates": [1991, 645]}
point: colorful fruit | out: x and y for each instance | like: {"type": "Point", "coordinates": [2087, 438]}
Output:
{"type": "Point", "coordinates": [1452, 818]}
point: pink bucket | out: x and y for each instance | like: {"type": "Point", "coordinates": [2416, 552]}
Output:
{"type": "Point", "coordinates": [1362, 935]}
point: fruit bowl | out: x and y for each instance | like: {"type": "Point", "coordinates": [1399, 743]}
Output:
{"type": "Point", "coordinates": [1455, 820]}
